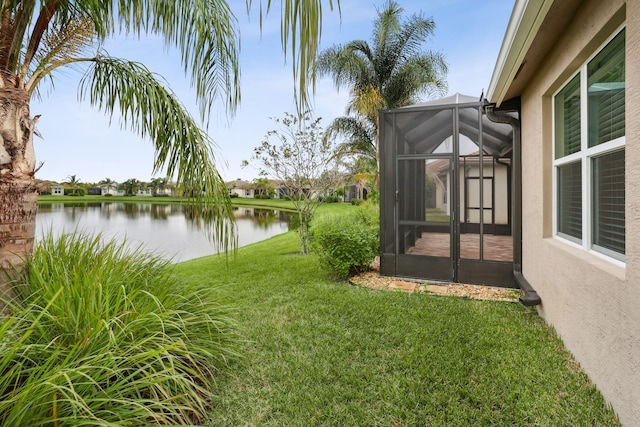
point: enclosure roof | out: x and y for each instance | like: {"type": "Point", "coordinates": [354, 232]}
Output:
{"type": "Point", "coordinates": [455, 99]}
{"type": "Point", "coordinates": [424, 127]}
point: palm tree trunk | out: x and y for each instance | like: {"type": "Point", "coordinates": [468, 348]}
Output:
{"type": "Point", "coordinates": [18, 203]}
{"type": "Point", "coordinates": [17, 227]}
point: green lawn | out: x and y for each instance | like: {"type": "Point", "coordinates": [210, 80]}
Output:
{"type": "Point", "coordinates": [436, 215]}
{"type": "Point", "coordinates": [319, 352]}
{"type": "Point", "coordinates": [271, 203]}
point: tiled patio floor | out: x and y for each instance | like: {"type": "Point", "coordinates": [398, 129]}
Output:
{"type": "Point", "coordinates": [496, 248]}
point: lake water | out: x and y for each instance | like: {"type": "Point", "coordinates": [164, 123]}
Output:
{"type": "Point", "coordinates": [162, 229]}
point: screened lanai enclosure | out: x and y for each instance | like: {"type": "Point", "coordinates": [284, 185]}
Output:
{"type": "Point", "coordinates": [446, 193]}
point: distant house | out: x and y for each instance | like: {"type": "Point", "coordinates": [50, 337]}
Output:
{"type": "Point", "coordinates": [165, 191]}
{"type": "Point", "coordinates": [57, 190]}
{"type": "Point", "coordinates": [144, 192]}
{"type": "Point", "coordinates": [241, 188]}
{"type": "Point", "coordinates": [496, 205]}
{"type": "Point", "coordinates": [355, 191]}
{"type": "Point", "coordinates": [110, 189]}
{"type": "Point", "coordinates": [94, 191]}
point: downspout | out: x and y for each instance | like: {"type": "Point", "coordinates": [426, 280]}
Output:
{"type": "Point", "coordinates": [531, 297]}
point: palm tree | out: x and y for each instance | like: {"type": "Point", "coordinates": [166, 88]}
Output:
{"type": "Point", "coordinates": [40, 38]}
{"type": "Point", "coordinates": [392, 71]}
{"type": "Point", "coordinates": [73, 181]}
{"type": "Point", "coordinates": [109, 183]}
{"type": "Point", "coordinates": [130, 186]}
{"type": "Point", "coordinates": [158, 184]}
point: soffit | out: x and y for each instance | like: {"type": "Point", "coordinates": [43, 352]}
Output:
{"type": "Point", "coordinates": [527, 44]}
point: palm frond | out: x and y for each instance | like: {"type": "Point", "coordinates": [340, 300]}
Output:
{"type": "Point", "coordinates": [367, 102]}
{"type": "Point", "coordinates": [15, 20]}
{"type": "Point", "coordinates": [395, 64]}
{"type": "Point", "coordinates": [205, 32]}
{"type": "Point", "coordinates": [360, 136]}
{"type": "Point", "coordinates": [300, 32]}
{"type": "Point", "coordinates": [60, 46]}
{"type": "Point", "coordinates": [420, 75]}
{"type": "Point", "coordinates": [349, 64]}
{"type": "Point", "coordinates": [387, 24]}
{"type": "Point", "coordinates": [182, 148]}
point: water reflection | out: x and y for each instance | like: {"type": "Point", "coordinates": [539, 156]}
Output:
{"type": "Point", "coordinates": [172, 230]}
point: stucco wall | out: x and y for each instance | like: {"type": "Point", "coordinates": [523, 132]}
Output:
{"type": "Point", "coordinates": [593, 304]}
{"type": "Point", "coordinates": [499, 198]}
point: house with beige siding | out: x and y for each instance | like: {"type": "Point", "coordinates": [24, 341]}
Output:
{"type": "Point", "coordinates": [241, 188]}
{"type": "Point", "coordinates": [570, 69]}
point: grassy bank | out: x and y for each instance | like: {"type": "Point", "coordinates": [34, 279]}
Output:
{"type": "Point", "coordinates": [150, 199]}
{"type": "Point", "coordinates": [269, 203]}
{"type": "Point", "coordinates": [319, 352]}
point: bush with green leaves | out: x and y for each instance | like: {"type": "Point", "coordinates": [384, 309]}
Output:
{"type": "Point", "coordinates": [102, 335]}
{"type": "Point", "coordinates": [263, 196]}
{"type": "Point", "coordinates": [331, 199]}
{"type": "Point", "coordinates": [81, 192]}
{"type": "Point", "coordinates": [347, 245]}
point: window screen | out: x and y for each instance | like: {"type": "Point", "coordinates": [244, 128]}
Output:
{"type": "Point", "coordinates": [606, 87]}
{"type": "Point", "coordinates": [608, 201]}
{"type": "Point", "coordinates": [567, 119]}
{"type": "Point", "coordinates": [570, 200]}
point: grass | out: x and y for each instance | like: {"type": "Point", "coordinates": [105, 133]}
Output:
{"type": "Point", "coordinates": [274, 203]}
{"type": "Point", "coordinates": [436, 215]}
{"type": "Point", "coordinates": [101, 335]}
{"type": "Point", "coordinates": [319, 352]}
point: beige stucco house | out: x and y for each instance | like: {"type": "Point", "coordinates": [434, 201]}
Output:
{"type": "Point", "coordinates": [563, 64]}
{"type": "Point", "coordinates": [495, 204]}
{"type": "Point", "coordinates": [241, 188]}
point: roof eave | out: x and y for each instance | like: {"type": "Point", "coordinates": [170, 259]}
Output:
{"type": "Point", "coordinates": [526, 18]}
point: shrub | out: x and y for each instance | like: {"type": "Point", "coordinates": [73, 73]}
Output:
{"type": "Point", "coordinates": [78, 192]}
{"type": "Point", "coordinates": [99, 334]}
{"type": "Point", "coordinates": [234, 195]}
{"type": "Point", "coordinates": [160, 195]}
{"type": "Point", "coordinates": [357, 202]}
{"type": "Point", "coordinates": [107, 195]}
{"type": "Point", "coordinates": [262, 196]}
{"type": "Point", "coordinates": [348, 244]}
{"type": "Point", "coordinates": [374, 196]}
{"type": "Point", "coordinates": [331, 199]}
{"type": "Point", "coordinates": [369, 214]}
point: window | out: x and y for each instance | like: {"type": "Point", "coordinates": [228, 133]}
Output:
{"type": "Point", "coordinates": [589, 154]}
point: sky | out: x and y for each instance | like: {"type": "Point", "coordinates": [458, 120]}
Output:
{"type": "Point", "coordinates": [77, 139]}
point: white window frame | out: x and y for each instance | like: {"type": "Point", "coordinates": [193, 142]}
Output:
{"type": "Point", "coordinates": [584, 156]}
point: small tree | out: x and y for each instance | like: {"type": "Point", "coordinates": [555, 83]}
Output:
{"type": "Point", "coordinates": [109, 184]}
{"type": "Point", "coordinates": [264, 188]}
{"type": "Point", "coordinates": [158, 184]}
{"type": "Point", "coordinates": [73, 181]}
{"type": "Point", "coordinates": [130, 186]}
{"type": "Point", "coordinates": [304, 161]}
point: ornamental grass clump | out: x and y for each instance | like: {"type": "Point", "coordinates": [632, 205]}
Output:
{"type": "Point", "coordinates": [347, 245]}
{"type": "Point", "coordinates": [102, 335]}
